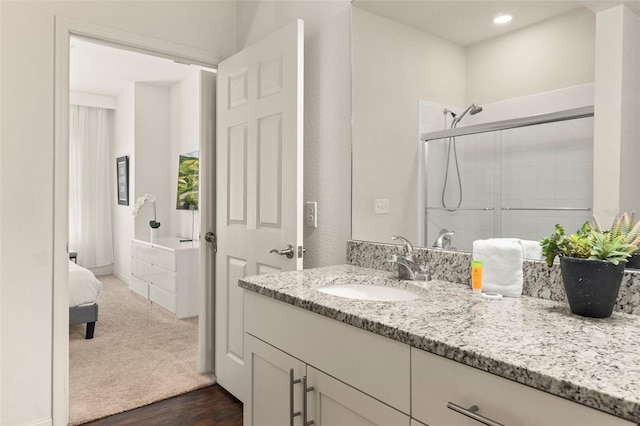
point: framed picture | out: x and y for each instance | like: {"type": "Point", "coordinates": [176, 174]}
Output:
{"type": "Point", "coordinates": [122, 168]}
{"type": "Point", "coordinates": [188, 181]}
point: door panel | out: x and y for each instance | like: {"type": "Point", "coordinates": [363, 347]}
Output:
{"type": "Point", "coordinates": [259, 171]}
{"type": "Point", "coordinates": [236, 269]}
{"type": "Point", "coordinates": [334, 403]}
{"type": "Point", "coordinates": [270, 172]}
{"type": "Point", "coordinates": [237, 175]}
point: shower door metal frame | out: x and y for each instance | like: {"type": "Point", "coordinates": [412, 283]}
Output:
{"type": "Point", "coordinates": [512, 123]}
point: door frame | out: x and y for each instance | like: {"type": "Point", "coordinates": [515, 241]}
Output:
{"type": "Point", "coordinates": [64, 29]}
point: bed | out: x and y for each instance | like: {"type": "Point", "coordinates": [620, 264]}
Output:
{"type": "Point", "coordinates": [84, 289]}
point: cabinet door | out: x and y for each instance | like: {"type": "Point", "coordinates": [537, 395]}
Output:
{"type": "Point", "coordinates": [273, 394]}
{"type": "Point", "coordinates": [333, 403]}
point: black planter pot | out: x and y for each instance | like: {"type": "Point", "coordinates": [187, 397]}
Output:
{"type": "Point", "coordinates": [591, 285]}
{"type": "Point", "coordinates": [633, 261]}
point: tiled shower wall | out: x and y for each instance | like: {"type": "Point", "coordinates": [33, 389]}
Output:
{"type": "Point", "coordinates": [544, 166]}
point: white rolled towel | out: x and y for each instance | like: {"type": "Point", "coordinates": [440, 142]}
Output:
{"type": "Point", "coordinates": [502, 265]}
{"type": "Point", "coordinates": [531, 249]}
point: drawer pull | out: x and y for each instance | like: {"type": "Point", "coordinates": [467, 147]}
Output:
{"type": "Point", "coordinates": [471, 413]}
{"type": "Point", "coordinates": [292, 381]}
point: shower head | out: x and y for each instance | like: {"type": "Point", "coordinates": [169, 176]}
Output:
{"type": "Point", "coordinates": [472, 109]}
{"type": "Point", "coordinates": [475, 109]}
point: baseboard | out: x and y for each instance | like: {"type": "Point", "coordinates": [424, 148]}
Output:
{"type": "Point", "coordinates": [121, 277]}
{"type": "Point", "coordinates": [43, 422]}
{"type": "Point", "coordinates": [102, 270]}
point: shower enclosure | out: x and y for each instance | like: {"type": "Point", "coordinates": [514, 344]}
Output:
{"type": "Point", "coordinates": [517, 178]}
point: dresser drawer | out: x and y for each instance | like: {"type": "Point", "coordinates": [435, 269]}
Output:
{"type": "Point", "coordinates": [436, 381]}
{"type": "Point", "coordinates": [154, 255]}
{"type": "Point", "coordinates": [162, 298]}
{"type": "Point", "coordinates": [139, 286]}
{"type": "Point", "coordinates": [155, 275]}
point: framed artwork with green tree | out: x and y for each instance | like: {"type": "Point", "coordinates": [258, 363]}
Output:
{"type": "Point", "coordinates": [188, 181]}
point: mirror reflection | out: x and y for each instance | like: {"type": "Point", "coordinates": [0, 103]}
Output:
{"type": "Point", "coordinates": [420, 68]}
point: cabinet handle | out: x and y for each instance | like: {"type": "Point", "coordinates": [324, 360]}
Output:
{"type": "Point", "coordinates": [471, 413]}
{"type": "Point", "coordinates": [292, 382]}
{"type": "Point", "coordinates": [304, 402]}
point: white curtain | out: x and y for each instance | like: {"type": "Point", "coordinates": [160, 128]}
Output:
{"type": "Point", "coordinates": [89, 186]}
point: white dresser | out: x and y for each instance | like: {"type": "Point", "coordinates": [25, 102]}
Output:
{"type": "Point", "coordinates": [167, 272]}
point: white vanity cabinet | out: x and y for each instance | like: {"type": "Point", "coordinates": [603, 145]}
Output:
{"type": "Point", "coordinates": [166, 271]}
{"type": "Point", "coordinates": [358, 378]}
{"type": "Point", "coordinates": [362, 378]}
{"type": "Point", "coordinates": [438, 382]}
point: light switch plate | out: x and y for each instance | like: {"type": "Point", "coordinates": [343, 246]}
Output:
{"type": "Point", "coordinates": [311, 214]}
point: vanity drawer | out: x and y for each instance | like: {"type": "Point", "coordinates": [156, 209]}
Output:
{"type": "Point", "coordinates": [376, 365]}
{"type": "Point", "coordinates": [436, 381]}
{"type": "Point", "coordinates": [154, 255]}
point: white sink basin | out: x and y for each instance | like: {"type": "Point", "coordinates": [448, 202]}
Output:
{"type": "Point", "coordinates": [369, 292]}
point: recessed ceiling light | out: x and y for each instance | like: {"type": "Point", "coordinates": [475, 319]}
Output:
{"type": "Point", "coordinates": [503, 18]}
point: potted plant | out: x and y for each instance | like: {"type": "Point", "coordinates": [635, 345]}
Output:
{"type": "Point", "coordinates": [592, 263]}
{"type": "Point", "coordinates": [629, 223]}
{"type": "Point", "coordinates": [154, 224]}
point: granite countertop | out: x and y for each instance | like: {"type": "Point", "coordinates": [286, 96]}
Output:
{"type": "Point", "coordinates": [537, 342]}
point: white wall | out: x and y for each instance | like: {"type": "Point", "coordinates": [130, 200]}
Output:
{"type": "Point", "coordinates": [152, 152]}
{"type": "Point", "coordinates": [27, 117]}
{"type": "Point", "coordinates": [327, 110]}
{"type": "Point", "coordinates": [154, 125]}
{"type": "Point", "coordinates": [185, 137]}
{"type": "Point", "coordinates": [123, 144]}
{"type": "Point", "coordinates": [553, 54]}
{"type": "Point", "coordinates": [394, 66]}
{"type": "Point", "coordinates": [617, 124]}
{"type": "Point", "coordinates": [93, 100]}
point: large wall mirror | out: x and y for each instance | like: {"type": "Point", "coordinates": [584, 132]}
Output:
{"type": "Point", "coordinates": [421, 67]}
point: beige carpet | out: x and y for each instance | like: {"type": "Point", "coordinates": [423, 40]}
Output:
{"type": "Point", "coordinates": [140, 354]}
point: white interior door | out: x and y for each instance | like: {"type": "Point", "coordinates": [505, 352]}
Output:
{"type": "Point", "coordinates": [259, 180]}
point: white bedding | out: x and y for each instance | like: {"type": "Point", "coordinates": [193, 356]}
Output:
{"type": "Point", "coordinates": [84, 287]}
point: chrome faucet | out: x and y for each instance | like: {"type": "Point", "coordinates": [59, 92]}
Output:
{"type": "Point", "coordinates": [406, 244]}
{"type": "Point", "coordinates": [407, 268]}
{"type": "Point", "coordinates": [444, 239]}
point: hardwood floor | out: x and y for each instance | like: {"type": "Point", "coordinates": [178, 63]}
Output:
{"type": "Point", "coordinates": [208, 406]}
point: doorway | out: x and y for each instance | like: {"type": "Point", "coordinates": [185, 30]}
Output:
{"type": "Point", "coordinates": [65, 30]}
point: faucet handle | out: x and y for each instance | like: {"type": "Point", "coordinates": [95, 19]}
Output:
{"type": "Point", "coordinates": [406, 243]}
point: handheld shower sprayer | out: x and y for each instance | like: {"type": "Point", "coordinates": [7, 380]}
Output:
{"type": "Point", "coordinates": [472, 109]}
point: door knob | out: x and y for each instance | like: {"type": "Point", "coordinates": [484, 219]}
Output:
{"type": "Point", "coordinates": [210, 237]}
{"type": "Point", "coordinates": [288, 251]}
